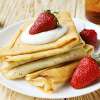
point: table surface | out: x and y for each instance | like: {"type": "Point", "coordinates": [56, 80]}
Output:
{"type": "Point", "coordinates": [15, 10]}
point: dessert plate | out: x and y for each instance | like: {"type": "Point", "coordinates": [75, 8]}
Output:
{"type": "Point", "coordinates": [23, 87]}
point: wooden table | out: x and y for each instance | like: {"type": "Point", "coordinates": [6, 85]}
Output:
{"type": "Point", "coordinates": [14, 10]}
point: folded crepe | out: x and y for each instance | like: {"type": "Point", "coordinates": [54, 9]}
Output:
{"type": "Point", "coordinates": [10, 44]}
{"type": "Point", "coordinates": [12, 70]}
{"type": "Point", "coordinates": [43, 54]}
{"type": "Point", "coordinates": [21, 59]}
{"type": "Point", "coordinates": [50, 80]}
{"type": "Point", "coordinates": [15, 61]}
{"type": "Point", "coordinates": [71, 37]}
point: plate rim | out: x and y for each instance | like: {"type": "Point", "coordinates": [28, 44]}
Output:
{"type": "Point", "coordinates": [16, 90]}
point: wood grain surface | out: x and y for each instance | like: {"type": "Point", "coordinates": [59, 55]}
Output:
{"type": "Point", "coordinates": [12, 11]}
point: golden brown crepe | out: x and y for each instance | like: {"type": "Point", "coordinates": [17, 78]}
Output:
{"type": "Point", "coordinates": [10, 44]}
{"type": "Point", "coordinates": [50, 80]}
{"type": "Point", "coordinates": [21, 59]}
{"type": "Point", "coordinates": [70, 37]}
{"type": "Point", "coordinates": [12, 70]}
{"type": "Point", "coordinates": [42, 54]}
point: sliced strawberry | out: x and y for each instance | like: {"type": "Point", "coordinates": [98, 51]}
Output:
{"type": "Point", "coordinates": [86, 73]}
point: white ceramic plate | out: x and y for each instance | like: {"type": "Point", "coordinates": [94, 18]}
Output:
{"type": "Point", "coordinates": [23, 87]}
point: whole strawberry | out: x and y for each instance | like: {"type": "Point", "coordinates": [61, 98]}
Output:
{"type": "Point", "coordinates": [45, 21]}
{"type": "Point", "coordinates": [89, 36]}
{"type": "Point", "coordinates": [86, 73]}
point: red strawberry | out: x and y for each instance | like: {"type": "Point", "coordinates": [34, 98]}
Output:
{"type": "Point", "coordinates": [86, 73]}
{"type": "Point", "coordinates": [89, 36]}
{"type": "Point", "coordinates": [45, 21]}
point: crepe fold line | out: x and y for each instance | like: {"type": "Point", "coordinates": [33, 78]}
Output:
{"type": "Point", "coordinates": [10, 44]}
{"type": "Point", "coordinates": [50, 80]}
{"type": "Point", "coordinates": [42, 54]}
{"type": "Point", "coordinates": [64, 19]}
{"type": "Point", "coordinates": [12, 64]}
{"type": "Point", "coordinates": [15, 37]}
{"type": "Point", "coordinates": [22, 70]}
{"type": "Point", "coordinates": [7, 65]}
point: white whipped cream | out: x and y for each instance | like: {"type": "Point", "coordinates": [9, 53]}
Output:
{"type": "Point", "coordinates": [43, 37]}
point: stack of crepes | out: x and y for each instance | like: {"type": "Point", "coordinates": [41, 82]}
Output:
{"type": "Point", "coordinates": [47, 66]}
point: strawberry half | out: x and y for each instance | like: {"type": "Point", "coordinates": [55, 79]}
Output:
{"type": "Point", "coordinates": [89, 36]}
{"type": "Point", "coordinates": [45, 21]}
{"type": "Point", "coordinates": [86, 73]}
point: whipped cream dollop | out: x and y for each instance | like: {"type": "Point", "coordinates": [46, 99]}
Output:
{"type": "Point", "coordinates": [43, 37]}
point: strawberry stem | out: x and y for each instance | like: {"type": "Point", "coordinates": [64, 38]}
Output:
{"type": "Point", "coordinates": [48, 11]}
{"type": "Point", "coordinates": [55, 12]}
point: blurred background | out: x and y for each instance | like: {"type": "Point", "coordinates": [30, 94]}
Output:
{"type": "Point", "coordinates": [15, 10]}
{"type": "Point", "coordinates": [12, 11]}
